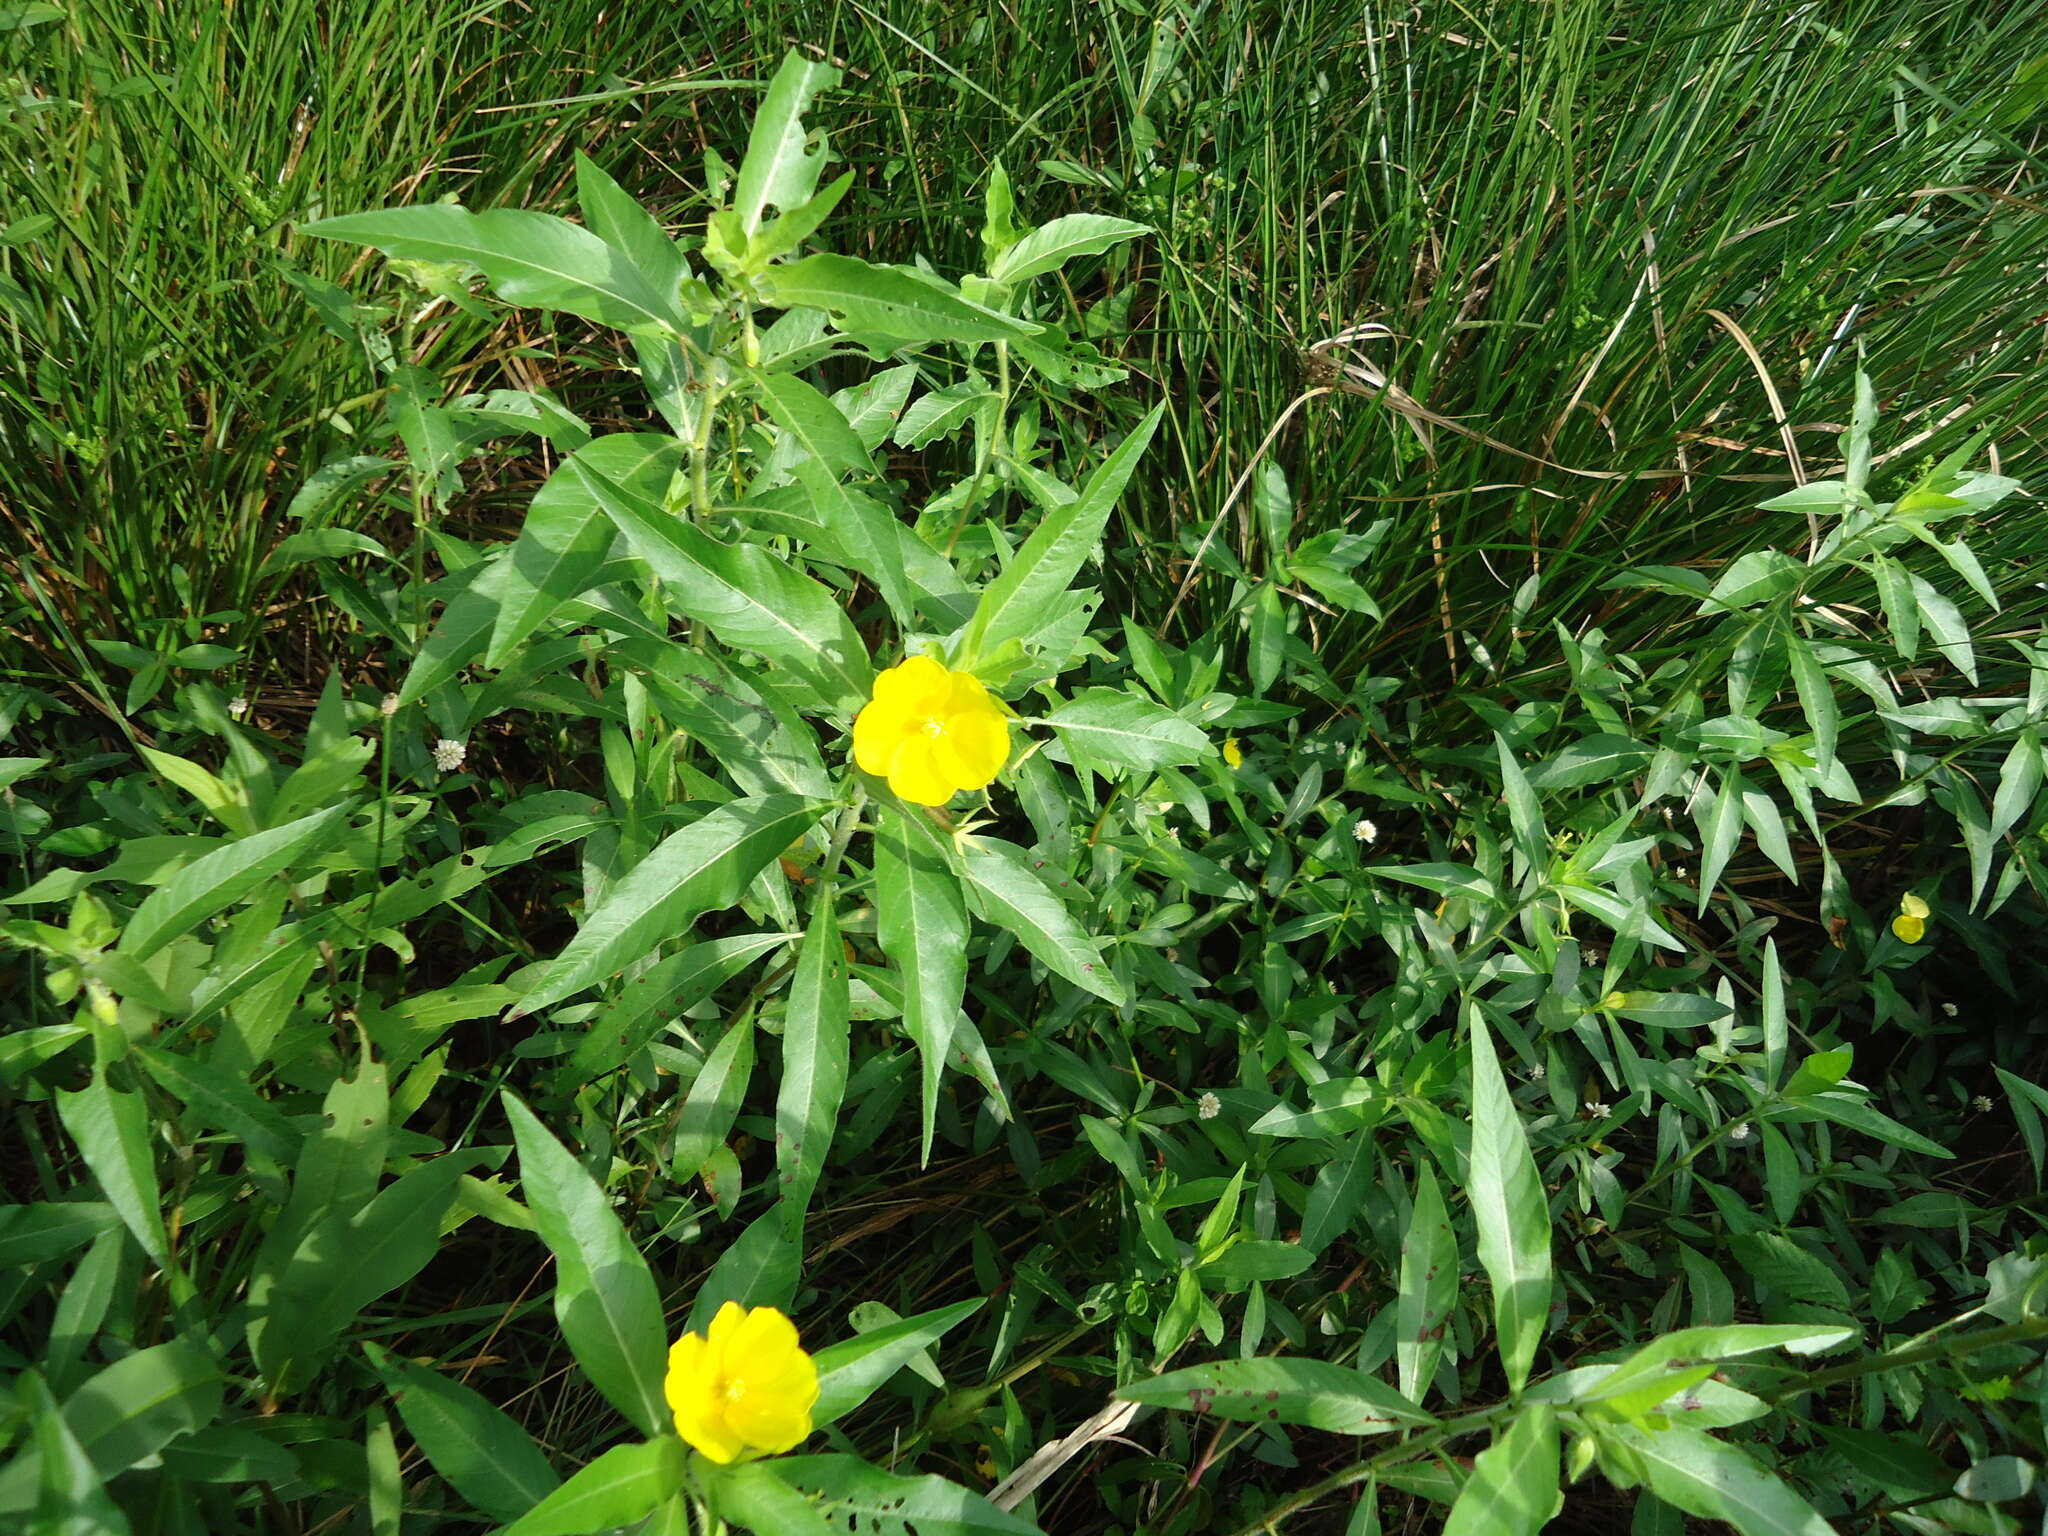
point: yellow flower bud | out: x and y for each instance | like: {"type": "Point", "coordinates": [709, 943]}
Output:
{"type": "Point", "coordinates": [930, 732]}
{"type": "Point", "coordinates": [746, 1390]}
{"type": "Point", "coordinates": [1233, 754]}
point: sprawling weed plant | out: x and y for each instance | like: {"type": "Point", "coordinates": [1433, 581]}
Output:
{"type": "Point", "coordinates": [1303, 1080]}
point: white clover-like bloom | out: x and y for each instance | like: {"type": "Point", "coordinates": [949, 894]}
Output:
{"type": "Point", "coordinates": [1741, 1133]}
{"type": "Point", "coordinates": [1982, 1104]}
{"type": "Point", "coordinates": [1209, 1106]}
{"type": "Point", "coordinates": [448, 755]}
{"type": "Point", "coordinates": [1538, 1072]}
{"type": "Point", "coordinates": [1365, 830]}
{"type": "Point", "coordinates": [238, 706]}
{"type": "Point", "coordinates": [388, 705]}
{"type": "Point", "coordinates": [1948, 1010]}
{"type": "Point", "coordinates": [1598, 1110]}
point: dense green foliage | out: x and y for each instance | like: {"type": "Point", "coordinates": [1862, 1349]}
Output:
{"type": "Point", "coordinates": [1500, 982]}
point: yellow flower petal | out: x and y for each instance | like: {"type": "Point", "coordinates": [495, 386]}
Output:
{"type": "Point", "coordinates": [1913, 906]}
{"type": "Point", "coordinates": [726, 1324]}
{"type": "Point", "coordinates": [915, 776]}
{"type": "Point", "coordinates": [1233, 754]}
{"type": "Point", "coordinates": [1909, 928]}
{"type": "Point", "coordinates": [877, 730]}
{"type": "Point", "coordinates": [915, 681]}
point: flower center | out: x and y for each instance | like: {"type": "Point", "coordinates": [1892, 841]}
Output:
{"type": "Point", "coordinates": [735, 1388]}
{"type": "Point", "coordinates": [932, 725]}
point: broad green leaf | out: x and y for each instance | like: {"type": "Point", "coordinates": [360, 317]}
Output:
{"type": "Point", "coordinates": [128, 1412]}
{"type": "Point", "coordinates": [482, 1451]}
{"type": "Point", "coordinates": [1051, 246]}
{"type": "Point", "coordinates": [705, 867]}
{"type": "Point", "coordinates": [745, 595]}
{"type": "Point", "coordinates": [566, 537]}
{"type": "Point", "coordinates": [921, 923]}
{"type": "Point", "coordinates": [759, 1268]}
{"type": "Point", "coordinates": [755, 1498]}
{"type": "Point", "coordinates": [1525, 813]}
{"type": "Point", "coordinates": [346, 1262]}
{"type": "Point", "coordinates": [779, 170]}
{"type": "Point", "coordinates": [605, 1299]}
{"type": "Point", "coordinates": [942, 412]}
{"type": "Point", "coordinates": [812, 423]}
{"type": "Point", "coordinates": [1104, 725]}
{"type": "Point", "coordinates": [461, 633]}
{"type": "Point", "coordinates": [622, 1487]}
{"type": "Point", "coordinates": [849, 1372]}
{"type": "Point", "coordinates": [112, 1132]}
{"type": "Point", "coordinates": [216, 881]}
{"type": "Point", "coordinates": [1513, 1488]}
{"type": "Point", "coordinates": [866, 532]}
{"type": "Point", "coordinates": [1005, 890]}
{"type": "Point", "coordinates": [1429, 1286]}
{"type": "Point", "coordinates": [1715, 1481]}
{"type": "Point", "coordinates": [1014, 605]}
{"type": "Point", "coordinates": [713, 1103]}
{"type": "Point", "coordinates": [73, 1499]}
{"type": "Point", "coordinates": [866, 300]}
{"type": "Point", "coordinates": [1273, 1389]}
{"type": "Point", "coordinates": [815, 1056]}
{"type": "Point", "coordinates": [1720, 824]}
{"type": "Point", "coordinates": [34, 1234]}
{"type": "Point", "coordinates": [528, 258]}
{"type": "Point", "coordinates": [1947, 627]}
{"type": "Point", "coordinates": [853, 1495]}
{"type": "Point", "coordinates": [1257, 1259]}
{"type": "Point", "coordinates": [1816, 698]}
{"type": "Point", "coordinates": [1509, 1212]}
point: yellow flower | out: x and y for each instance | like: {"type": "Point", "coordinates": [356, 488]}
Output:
{"type": "Point", "coordinates": [745, 1391]}
{"type": "Point", "coordinates": [930, 732]}
{"type": "Point", "coordinates": [1233, 754]}
{"type": "Point", "coordinates": [1911, 923]}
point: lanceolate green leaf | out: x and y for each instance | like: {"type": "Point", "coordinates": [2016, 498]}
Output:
{"type": "Point", "coordinates": [1105, 726]}
{"type": "Point", "coordinates": [111, 1129]}
{"type": "Point", "coordinates": [1429, 1286]}
{"type": "Point", "coordinates": [529, 258]}
{"type": "Point", "coordinates": [1013, 606]}
{"type": "Point", "coordinates": [216, 881]}
{"type": "Point", "coordinates": [483, 1453]}
{"type": "Point", "coordinates": [664, 992]}
{"type": "Point", "coordinates": [1513, 1487]}
{"type": "Point", "coordinates": [1051, 246]}
{"type": "Point", "coordinates": [127, 1413]}
{"type": "Point", "coordinates": [779, 170]}
{"type": "Point", "coordinates": [1008, 892]}
{"type": "Point", "coordinates": [1716, 1481]}
{"type": "Point", "coordinates": [220, 1099]}
{"type": "Point", "coordinates": [32, 1234]}
{"type": "Point", "coordinates": [745, 595]}
{"type": "Point", "coordinates": [605, 1299]}
{"type": "Point", "coordinates": [622, 1487]}
{"type": "Point", "coordinates": [700, 869]}
{"type": "Point", "coordinates": [849, 1372]}
{"type": "Point", "coordinates": [566, 537]}
{"type": "Point", "coordinates": [1274, 1389]}
{"type": "Point", "coordinates": [815, 1059]}
{"type": "Point", "coordinates": [883, 302]}
{"type": "Point", "coordinates": [714, 1099]}
{"type": "Point", "coordinates": [853, 1495]}
{"type": "Point", "coordinates": [921, 921]}
{"type": "Point", "coordinates": [1509, 1212]}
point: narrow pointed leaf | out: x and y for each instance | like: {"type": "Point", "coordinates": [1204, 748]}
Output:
{"type": "Point", "coordinates": [1509, 1212]}
{"type": "Point", "coordinates": [921, 921]}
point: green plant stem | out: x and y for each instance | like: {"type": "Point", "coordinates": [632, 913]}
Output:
{"type": "Point", "coordinates": [2021, 1332]}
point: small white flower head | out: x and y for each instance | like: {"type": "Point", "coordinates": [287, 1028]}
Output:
{"type": "Point", "coordinates": [388, 705]}
{"type": "Point", "coordinates": [1365, 831]}
{"type": "Point", "coordinates": [1598, 1110]}
{"type": "Point", "coordinates": [1209, 1106]}
{"type": "Point", "coordinates": [1741, 1133]}
{"type": "Point", "coordinates": [1982, 1104]}
{"type": "Point", "coordinates": [238, 706]}
{"type": "Point", "coordinates": [1538, 1072]}
{"type": "Point", "coordinates": [1948, 1010]}
{"type": "Point", "coordinates": [448, 755]}
{"type": "Point", "coordinates": [1679, 872]}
